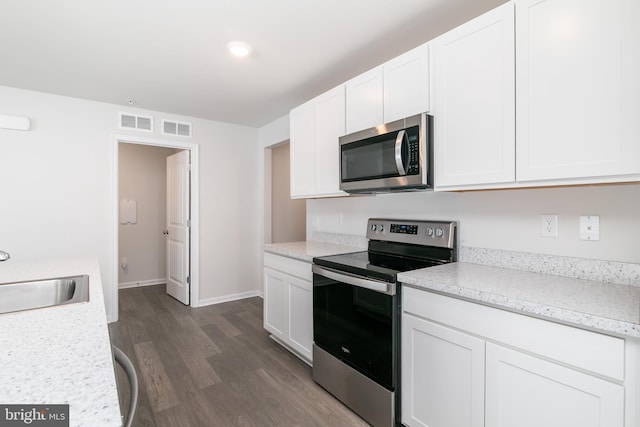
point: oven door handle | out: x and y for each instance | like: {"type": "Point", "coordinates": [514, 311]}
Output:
{"type": "Point", "coordinates": [340, 276]}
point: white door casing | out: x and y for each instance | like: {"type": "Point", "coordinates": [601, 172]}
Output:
{"type": "Point", "coordinates": [177, 231]}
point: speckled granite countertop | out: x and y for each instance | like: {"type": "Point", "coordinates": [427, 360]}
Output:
{"type": "Point", "coordinates": [59, 355]}
{"type": "Point", "coordinates": [594, 305]}
{"type": "Point", "coordinates": [306, 251]}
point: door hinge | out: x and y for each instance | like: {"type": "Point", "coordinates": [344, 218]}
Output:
{"type": "Point", "coordinates": [188, 280]}
{"type": "Point", "coordinates": [188, 223]}
{"type": "Point", "coordinates": [189, 167]}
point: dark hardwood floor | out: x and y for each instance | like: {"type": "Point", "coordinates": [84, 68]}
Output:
{"type": "Point", "coordinates": [215, 366]}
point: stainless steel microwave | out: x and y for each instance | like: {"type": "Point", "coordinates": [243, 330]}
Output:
{"type": "Point", "coordinates": [395, 156]}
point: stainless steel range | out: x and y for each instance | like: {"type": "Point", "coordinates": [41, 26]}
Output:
{"type": "Point", "coordinates": [356, 313]}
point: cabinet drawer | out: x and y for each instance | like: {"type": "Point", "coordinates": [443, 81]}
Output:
{"type": "Point", "coordinates": [591, 351]}
{"type": "Point", "coordinates": [287, 265]}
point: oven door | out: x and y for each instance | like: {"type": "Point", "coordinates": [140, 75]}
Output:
{"type": "Point", "coordinates": [356, 320]}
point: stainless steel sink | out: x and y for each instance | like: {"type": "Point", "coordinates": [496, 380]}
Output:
{"type": "Point", "coordinates": [28, 295]}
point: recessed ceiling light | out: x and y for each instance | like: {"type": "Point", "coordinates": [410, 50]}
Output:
{"type": "Point", "coordinates": [239, 48]}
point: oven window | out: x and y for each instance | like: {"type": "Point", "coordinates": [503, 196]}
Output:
{"type": "Point", "coordinates": [356, 326]}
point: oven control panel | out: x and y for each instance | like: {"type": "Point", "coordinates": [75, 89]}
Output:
{"type": "Point", "coordinates": [404, 229]}
{"type": "Point", "coordinates": [418, 232]}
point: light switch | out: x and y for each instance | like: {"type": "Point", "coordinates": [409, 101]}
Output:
{"type": "Point", "coordinates": [589, 227]}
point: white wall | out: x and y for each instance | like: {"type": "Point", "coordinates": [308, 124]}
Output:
{"type": "Point", "coordinates": [269, 135]}
{"type": "Point", "coordinates": [142, 176]}
{"type": "Point", "coordinates": [507, 219]}
{"type": "Point", "coordinates": [56, 190]}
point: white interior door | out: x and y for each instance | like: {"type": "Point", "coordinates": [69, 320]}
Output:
{"type": "Point", "coordinates": [177, 231]}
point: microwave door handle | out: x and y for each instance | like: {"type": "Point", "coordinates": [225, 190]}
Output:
{"type": "Point", "coordinates": [399, 163]}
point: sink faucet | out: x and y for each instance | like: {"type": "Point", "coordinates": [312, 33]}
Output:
{"type": "Point", "coordinates": [4, 256]}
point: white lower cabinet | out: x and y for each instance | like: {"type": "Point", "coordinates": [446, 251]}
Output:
{"type": "Point", "coordinates": [288, 303]}
{"type": "Point", "coordinates": [433, 354]}
{"type": "Point", "coordinates": [465, 364]}
{"type": "Point", "coordinates": [300, 315]}
{"type": "Point", "coordinates": [525, 391]}
{"type": "Point", "coordinates": [275, 307]}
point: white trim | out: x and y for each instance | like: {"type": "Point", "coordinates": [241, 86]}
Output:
{"type": "Point", "coordinates": [112, 315]}
{"type": "Point", "coordinates": [228, 298]}
{"type": "Point", "coordinates": [140, 283]}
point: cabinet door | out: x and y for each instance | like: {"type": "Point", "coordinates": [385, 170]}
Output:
{"type": "Point", "coordinates": [275, 302]}
{"type": "Point", "coordinates": [442, 376]}
{"type": "Point", "coordinates": [525, 391]}
{"type": "Point", "coordinates": [474, 101]}
{"type": "Point", "coordinates": [364, 100]}
{"type": "Point", "coordinates": [578, 89]}
{"type": "Point", "coordinates": [303, 150]}
{"type": "Point", "coordinates": [300, 303]}
{"type": "Point", "coordinates": [330, 125]}
{"type": "Point", "coordinates": [406, 84]}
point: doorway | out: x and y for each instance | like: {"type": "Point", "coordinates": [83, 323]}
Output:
{"type": "Point", "coordinates": [288, 216]}
{"type": "Point", "coordinates": [164, 147]}
{"type": "Point", "coordinates": [142, 189]}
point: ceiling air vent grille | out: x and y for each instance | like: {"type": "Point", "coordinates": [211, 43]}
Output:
{"type": "Point", "coordinates": [137, 122]}
{"type": "Point", "coordinates": [171, 127]}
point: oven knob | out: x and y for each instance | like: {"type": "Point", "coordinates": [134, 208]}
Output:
{"type": "Point", "coordinates": [429, 231]}
{"type": "Point", "coordinates": [439, 232]}
{"type": "Point", "coordinates": [373, 227]}
{"type": "Point", "coordinates": [381, 228]}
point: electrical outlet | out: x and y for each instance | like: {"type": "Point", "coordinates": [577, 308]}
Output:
{"type": "Point", "coordinates": [549, 225]}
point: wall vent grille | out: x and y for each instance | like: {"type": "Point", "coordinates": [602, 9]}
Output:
{"type": "Point", "coordinates": [134, 121]}
{"type": "Point", "coordinates": [172, 127]}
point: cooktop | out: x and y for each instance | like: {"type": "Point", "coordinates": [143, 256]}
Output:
{"type": "Point", "coordinates": [374, 265]}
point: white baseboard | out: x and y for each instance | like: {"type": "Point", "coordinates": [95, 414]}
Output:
{"type": "Point", "coordinates": [142, 283]}
{"type": "Point", "coordinates": [227, 298]}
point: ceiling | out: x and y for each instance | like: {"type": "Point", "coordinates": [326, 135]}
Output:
{"type": "Point", "coordinates": [170, 56]}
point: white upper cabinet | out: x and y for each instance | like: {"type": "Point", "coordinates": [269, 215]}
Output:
{"type": "Point", "coordinates": [394, 90]}
{"type": "Point", "coordinates": [578, 86]}
{"type": "Point", "coordinates": [303, 146]}
{"type": "Point", "coordinates": [474, 101]}
{"type": "Point", "coordinates": [365, 100]}
{"type": "Point", "coordinates": [330, 122]}
{"type": "Point", "coordinates": [406, 84]}
{"type": "Point", "coordinates": [315, 127]}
